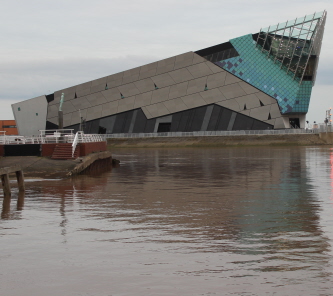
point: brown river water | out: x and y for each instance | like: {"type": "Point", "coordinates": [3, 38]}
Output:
{"type": "Point", "coordinates": [229, 221]}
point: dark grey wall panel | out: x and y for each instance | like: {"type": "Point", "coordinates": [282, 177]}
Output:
{"type": "Point", "coordinates": [259, 125]}
{"type": "Point", "coordinates": [242, 122]}
{"type": "Point", "coordinates": [214, 118]}
{"type": "Point", "coordinates": [199, 114]}
{"type": "Point", "coordinates": [224, 120]}
{"type": "Point", "coordinates": [150, 125]}
{"type": "Point", "coordinates": [231, 121]}
{"type": "Point", "coordinates": [91, 127]}
{"type": "Point", "coordinates": [75, 127]}
{"type": "Point", "coordinates": [127, 123]}
{"type": "Point", "coordinates": [51, 125]}
{"type": "Point", "coordinates": [175, 121]}
{"type": "Point", "coordinates": [189, 121]}
{"type": "Point", "coordinates": [183, 121]}
{"type": "Point", "coordinates": [207, 116]}
{"type": "Point", "coordinates": [108, 123]}
{"type": "Point", "coordinates": [120, 123]}
{"type": "Point", "coordinates": [135, 112]}
{"type": "Point", "coordinates": [221, 119]}
{"type": "Point", "coordinates": [140, 122]}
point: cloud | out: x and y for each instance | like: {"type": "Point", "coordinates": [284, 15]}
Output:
{"type": "Point", "coordinates": [24, 80]}
{"type": "Point", "coordinates": [67, 42]}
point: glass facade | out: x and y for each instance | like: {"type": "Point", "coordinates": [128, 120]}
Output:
{"type": "Point", "coordinates": [255, 68]}
{"type": "Point", "coordinates": [294, 43]}
{"type": "Point", "coordinates": [280, 60]}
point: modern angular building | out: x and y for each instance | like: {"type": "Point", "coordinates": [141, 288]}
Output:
{"type": "Point", "coordinates": [253, 82]}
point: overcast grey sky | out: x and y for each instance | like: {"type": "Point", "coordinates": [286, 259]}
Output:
{"type": "Point", "coordinates": [49, 45]}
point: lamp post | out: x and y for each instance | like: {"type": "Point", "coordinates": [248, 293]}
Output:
{"type": "Point", "coordinates": [60, 113]}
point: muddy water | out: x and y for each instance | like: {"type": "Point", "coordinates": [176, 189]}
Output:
{"type": "Point", "coordinates": [233, 221]}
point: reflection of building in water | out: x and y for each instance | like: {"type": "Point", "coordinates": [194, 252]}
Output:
{"type": "Point", "coordinates": [237, 200]}
{"type": "Point", "coordinates": [223, 194]}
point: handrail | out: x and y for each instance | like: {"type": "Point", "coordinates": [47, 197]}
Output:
{"type": "Point", "coordinates": [54, 136]}
{"type": "Point", "coordinates": [215, 133]}
{"type": "Point", "coordinates": [75, 141]}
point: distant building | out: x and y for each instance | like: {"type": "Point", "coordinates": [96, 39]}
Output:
{"type": "Point", "coordinates": [8, 126]}
{"type": "Point", "coordinates": [256, 81]}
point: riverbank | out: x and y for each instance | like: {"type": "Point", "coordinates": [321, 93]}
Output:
{"type": "Point", "coordinates": [47, 168]}
{"type": "Point", "coordinates": [221, 141]}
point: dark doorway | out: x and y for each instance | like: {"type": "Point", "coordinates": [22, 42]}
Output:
{"type": "Point", "coordinates": [294, 122]}
{"type": "Point", "coordinates": [164, 127]}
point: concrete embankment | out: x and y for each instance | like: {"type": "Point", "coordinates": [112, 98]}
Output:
{"type": "Point", "coordinates": [44, 167]}
{"type": "Point", "coordinates": [221, 141]}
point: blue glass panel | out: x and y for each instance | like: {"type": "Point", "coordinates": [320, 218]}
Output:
{"type": "Point", "coordinates": [253, 67]}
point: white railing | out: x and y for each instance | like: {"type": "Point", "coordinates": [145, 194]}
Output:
{"type": "Point", "coordinates": [215, 133]}
{"type": "Point", "coordinates": [56, 136]}
{"type": "Point", "coordinates": [81, 137]}
{"type": "Point", "coordinates": [75, 141]}
{"type": "Point", "coordinates": [52, 136]}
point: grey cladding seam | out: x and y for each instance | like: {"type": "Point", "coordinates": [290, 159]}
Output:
{"type": "Point", "coordinates": [122, 76]}
{"type": "Point", "coordinates": [133, 121]}
{"type": "Point", "coordinates": [232, 121]}
{"type": "Point", "coordinates": [162, 88]}
{"type": "Point", "coordinates": [180, 97]}
{"type": "Point", "coordinates": [207, 117]}
{"type": "Point", "coordinates": [166, 100]}
{"type": "Point", "coordinates": [152, 81]}
{"type": "Point", "coordinates": [145, 111]}
{"type": "Point", "coordinates": [133, 82]}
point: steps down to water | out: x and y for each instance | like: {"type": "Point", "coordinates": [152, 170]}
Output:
{"type": "Point", "coordinates": [64, 151]}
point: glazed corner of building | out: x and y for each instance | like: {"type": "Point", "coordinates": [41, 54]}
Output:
{"type": "Point", "coordinates": [256, 81]}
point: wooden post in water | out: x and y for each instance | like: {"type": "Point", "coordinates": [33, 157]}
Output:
{"type": "Point", "coordinates": [6, 185]}
{"type": "Point", "coordinates": [20, 180]}
{"type": "Point", "coordinates": [4, 174]}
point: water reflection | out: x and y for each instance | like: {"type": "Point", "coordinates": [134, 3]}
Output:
{"type": "Point", "coordinates": [6, 204]}
{"type": "Point", "coordinates": [209, 213]}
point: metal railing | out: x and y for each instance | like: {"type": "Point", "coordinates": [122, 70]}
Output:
{"type": "Point", "coordinates": [67, 136]}
{"type": "Point", "coordinates": [56, 136]}
{"type": "Point", "coordinates": [214, 133]}
{"type": "Point", "coordinates": [51, 136]}
{"type": "Point", "coordinates": [81, 137]}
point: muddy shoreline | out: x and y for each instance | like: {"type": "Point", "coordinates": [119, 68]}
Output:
{"type": "Point", "coordinates": [225, 141]}
{"type": "Point", "coordinates": [47, 168]}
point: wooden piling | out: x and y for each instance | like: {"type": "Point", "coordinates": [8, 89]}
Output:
{"type": "Point", "coordinates": [20, 201]}
{"type": "Point", "coordinates": [20, 180]}
{"type": "Point", "coordinates": [5, 207]}
{"type": "Point", "coordinates": [6, 185]}
{"type": "Point", "coordinates": [4, 174]}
